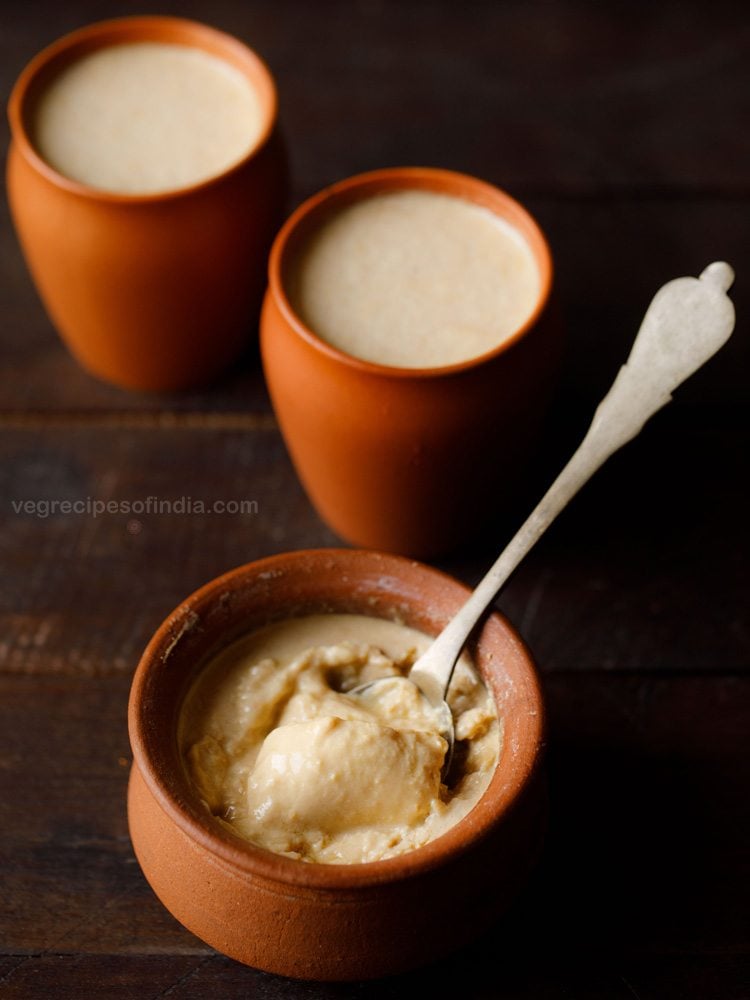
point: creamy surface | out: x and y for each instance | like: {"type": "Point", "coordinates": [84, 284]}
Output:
{"type": "Point", "coordinates": [146, 117]}
{"type": "Point", "coordinates": [414, 279]}
{"type": "Point", "coordinates": [277, 749]}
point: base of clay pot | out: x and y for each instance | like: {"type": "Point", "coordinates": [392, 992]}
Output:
{"type": "Point", "coordinates": [377, 931]}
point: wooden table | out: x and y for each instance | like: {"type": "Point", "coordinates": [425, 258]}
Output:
{"type": "Point", "coordinates": [624, 129]}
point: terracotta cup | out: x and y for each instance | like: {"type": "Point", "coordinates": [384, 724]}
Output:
{"type": "Point", "coordinates": [156, 291]}
{"type": "Point", "coordinates": [405, 460]}
{"type": "Point", "coordinates": [310, 920]}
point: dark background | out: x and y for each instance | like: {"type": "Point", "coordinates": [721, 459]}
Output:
{"type": "Point", "coordinates": [624, 128]}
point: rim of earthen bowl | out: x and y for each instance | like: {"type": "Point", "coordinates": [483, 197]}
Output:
{"type": "Point", "coordinates": [154, 740]}
{"type": "Point", "coordinates": [316, 208]}
{"type": "Point", "coordinates": [120, 31]}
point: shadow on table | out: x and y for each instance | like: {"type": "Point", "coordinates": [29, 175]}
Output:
{"type": "Point", "coordinates": [622, 875]}
{"type": "Point", "coordinates": [616, 905]}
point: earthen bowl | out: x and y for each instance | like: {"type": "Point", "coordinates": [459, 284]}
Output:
{"type": "Point", "coordinates": [315, 921]}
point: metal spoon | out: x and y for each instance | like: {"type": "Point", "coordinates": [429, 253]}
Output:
{"type": "Point", "coordinates": [687, 322]}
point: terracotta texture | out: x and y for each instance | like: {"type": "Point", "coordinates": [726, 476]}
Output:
{"type": "Point", "coordinates": [404, 460]}
{"type": "Point", "coordinates": [154, 292]}
{"type": "Point", "coordinates": [327, 921]}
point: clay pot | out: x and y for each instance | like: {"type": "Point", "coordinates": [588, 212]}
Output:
{"type": "Point", "coordinates": [318, 921]}
{"type": "Point", "coordinates": [405, 460]}
{"type": "Point", "coordinates": [158, 291]}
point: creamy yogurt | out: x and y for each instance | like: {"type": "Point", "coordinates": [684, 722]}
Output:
{"type": "Point", "coordinates": [146, 117]}
{"type": "Point", "coordinates": [278, 750]}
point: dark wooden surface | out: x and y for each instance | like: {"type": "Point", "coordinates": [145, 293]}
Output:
{"type": "Point", "coordinates": [624, 128]}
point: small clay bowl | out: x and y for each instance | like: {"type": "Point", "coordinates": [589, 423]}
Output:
{"type": "Point", "coordinates": [315, 921]}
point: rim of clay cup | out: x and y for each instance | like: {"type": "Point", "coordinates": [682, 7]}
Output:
{"type": "Point", "coordinates": [388, 179]}
{"type": "Point", "coordinates": [120, 31]}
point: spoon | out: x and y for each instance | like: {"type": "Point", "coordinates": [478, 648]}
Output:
{"type": "Point", "coordinates": [687, 322]}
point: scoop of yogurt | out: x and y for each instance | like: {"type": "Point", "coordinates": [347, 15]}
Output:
{"type": "Point", "coordinates": [332, 775]}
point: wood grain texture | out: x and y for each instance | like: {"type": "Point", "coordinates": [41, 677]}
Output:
{"type": "Point", "coordinates": [618, 583]}
{"type": "Point", "coordinates": [104, 583]}
{"type": "Point", "coordinates": [152, 977]}
{"type": "Point", "coordinates": [623, 128]}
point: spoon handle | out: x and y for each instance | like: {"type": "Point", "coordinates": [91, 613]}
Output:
{"type": "Point", "coordinates": [688, 320]}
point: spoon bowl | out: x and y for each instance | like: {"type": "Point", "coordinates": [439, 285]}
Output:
{"type": "Point", "coordinates": [440, 709]}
